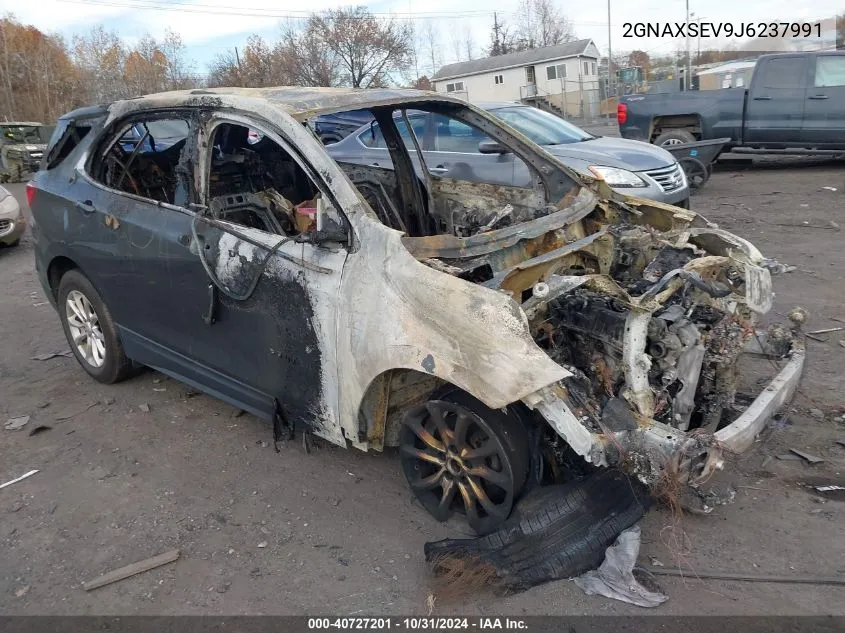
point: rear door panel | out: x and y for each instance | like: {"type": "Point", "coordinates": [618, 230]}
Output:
{"type": "Point", "coordinates": [775, 108]}
{"type": "Point", "coordinates": [824, 112]}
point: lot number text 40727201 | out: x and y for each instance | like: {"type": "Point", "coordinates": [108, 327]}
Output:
{"type": "Point", "coordinates": [418, 624]}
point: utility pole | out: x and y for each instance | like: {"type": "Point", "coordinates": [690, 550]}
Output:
{"type": "Point", "coordinates": [238, 60]}
{"type": "Point", "coordinates": [497, 45]}
{"type": "Point", "coordinates": [687, 82]}
{"type": "Point", "coordinates": [609, 54]}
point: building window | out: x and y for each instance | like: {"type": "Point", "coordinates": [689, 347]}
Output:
{"type": "Point", "coordinates": [586, 68]}
{"type": "Point", "coordinates": [455, 87]}
{"type": "Point", "coordinates": [498, 79]}
{"type": "Point", "coordinates": [556, 72]}
{"type": "Point", "coordinates": [594, 68]}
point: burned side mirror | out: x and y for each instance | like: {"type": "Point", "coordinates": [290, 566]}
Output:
{"type": "Point", "coordinates": [492, 147]}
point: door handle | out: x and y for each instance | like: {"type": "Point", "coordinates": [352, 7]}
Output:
{"type": "Point", "coordinates": [818, 97]}
{"type": "Point", "coordinates": [86, 207]}
{"type": "Point", "coordinates": [762, 98]}
{"type": "Point", "coordinates": [439, 169]}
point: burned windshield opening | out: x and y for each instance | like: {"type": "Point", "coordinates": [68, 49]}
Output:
{"type": "Point", "coordinates": [446, 169]}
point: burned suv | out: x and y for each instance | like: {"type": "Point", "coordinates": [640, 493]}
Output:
{"type": "Point", "coordinates": [493, 334]}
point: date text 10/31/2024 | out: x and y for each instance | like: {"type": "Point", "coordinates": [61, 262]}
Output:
{"type": "Point", "coordinates": [418, 624]}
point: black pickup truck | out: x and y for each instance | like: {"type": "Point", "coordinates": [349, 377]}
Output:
{"type": "Point", "coordinates": [794, 101]}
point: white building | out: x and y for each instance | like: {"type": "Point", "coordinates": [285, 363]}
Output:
{"type": "Point", "coordinates": [564, 76]}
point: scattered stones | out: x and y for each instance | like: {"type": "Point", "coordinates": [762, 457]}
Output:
{"type": "Point", "coordinates": [262, 544]}
{"type": "Point", "coordinates": [223, 587]}
{"type": "Point", "coordinates": [818, 414]}
{"type": "Point", "coordinates": [144, 407]}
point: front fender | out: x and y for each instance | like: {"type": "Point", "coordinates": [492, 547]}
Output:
{"type": "Point", "coordinates": [396, 312]}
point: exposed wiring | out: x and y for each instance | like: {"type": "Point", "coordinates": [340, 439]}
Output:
{"type": "Point", "coordinates": [216, 281]}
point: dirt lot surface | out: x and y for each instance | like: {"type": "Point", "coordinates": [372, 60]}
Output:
{"type": "Point", "coordinates": [132, 470]}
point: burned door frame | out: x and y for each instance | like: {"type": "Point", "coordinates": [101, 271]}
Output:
{"type": "Point", "coordinates": [288, 336]}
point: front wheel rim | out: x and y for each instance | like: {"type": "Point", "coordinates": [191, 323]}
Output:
{"type": "Point", "coordinates": [455, 463]}
{"type": "Point", "coordinates": [672, 141]}
{"type": "Point", "coordinates": [85, 331]}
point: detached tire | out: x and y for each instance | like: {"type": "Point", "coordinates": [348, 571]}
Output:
{"type": "Point", "coordinates": [674, 137]}
{"type": "Point", "coordinates": [90, 330]}
{"type": "Point", "coordinates": [555, 532]}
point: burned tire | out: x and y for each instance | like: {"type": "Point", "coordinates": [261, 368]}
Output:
{"type": "Point", "coordinates": [674, 137]}
{"type": "Point", "coordinates": [90, 330]}
{"type": "Point", "coordinates": [555, 532]}
{"type": "Point", "coordinates": [461, 457]}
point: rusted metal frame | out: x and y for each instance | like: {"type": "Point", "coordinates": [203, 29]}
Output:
{"type": "Point", "coordinates": [375, 433]}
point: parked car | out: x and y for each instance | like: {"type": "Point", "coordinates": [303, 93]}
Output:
{"type": "Point", "coordinates": [794, 101]}
{"type": "Point", "coordinates": [449, 147]}
{"type": "Point", "coordinates": [12, 220]}
{"type": "Point", "coordinates": [333, 128]}
{"type": "Point", "coordinates": [493, 333]}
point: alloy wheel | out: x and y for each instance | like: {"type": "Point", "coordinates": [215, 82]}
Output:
{"type": "Point", "coordinates": [85, 330]}
{"type": "Point", "coordinates": [456, 463]}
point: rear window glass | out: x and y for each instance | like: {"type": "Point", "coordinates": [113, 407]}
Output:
{"type": "Point", "coordinates": [785, 72]}
{"type": "Point", "coordinates": [65, 139]}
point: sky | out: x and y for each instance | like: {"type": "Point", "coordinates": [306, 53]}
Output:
{"type": "Point", "coordinates": [211, 27]}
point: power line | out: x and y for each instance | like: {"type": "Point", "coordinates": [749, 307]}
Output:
{"type": "Point", "coordinates": [226, 10]}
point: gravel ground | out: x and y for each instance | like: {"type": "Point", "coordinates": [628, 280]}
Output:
{"type": "Point", "coordinates": [131, 470]}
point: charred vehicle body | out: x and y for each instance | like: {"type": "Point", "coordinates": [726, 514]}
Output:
{"type": "Point", "coordinates": [492, 333]}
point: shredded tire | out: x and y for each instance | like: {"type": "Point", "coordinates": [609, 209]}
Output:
{"type": "Point", "coordinates": [555, 532]}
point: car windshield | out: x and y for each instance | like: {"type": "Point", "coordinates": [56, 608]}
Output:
{"type": "Point", "coordinates": [22, 133]}
{"type": "Point", "coordinates": [541, 127]}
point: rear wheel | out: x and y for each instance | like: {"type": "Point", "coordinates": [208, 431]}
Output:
{"type": "Point", "coordinates": [90, 330]}
{"type": "Point", "coordinates": [461, 457]}
{"type": "Point", "coordinates": [674, 137]}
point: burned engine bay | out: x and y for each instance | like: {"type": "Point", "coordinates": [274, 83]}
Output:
{"type": "Point", "coordinates": [649, 307]}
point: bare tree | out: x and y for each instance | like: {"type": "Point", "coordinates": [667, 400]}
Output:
{"type": "Point", "coordinates": [541, 23]}
{"type": "Point", "coordinates": [257, 63]}
{"type": "Point", "coordinates": [368, 49]}
{"type": "Point", "coordinates": [431, 46]}
{"type": "Point", "coordinates": [502, 38]}
{"type": "Point", "coordinates": [300, 61]}
{"type": "Point", "coordinates": [100, 56]}
{"type": "Point", "coordinates": [469, 43]}
{"type": "Point", "coordinates": [181, 72]}
{"type": "Point", "coordinates": [463, 43]}
{"type": "Point", "coordinates": [224, 70]}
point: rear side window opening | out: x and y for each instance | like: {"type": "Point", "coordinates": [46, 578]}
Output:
{"type": "Point", "coordinates": [66, 138]}
{"type": "Point", "coordinates": [143, 159]}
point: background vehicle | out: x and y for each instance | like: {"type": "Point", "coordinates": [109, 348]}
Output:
{"type": "Point", "coordinates": [332, 128]}
{"type": "Point", "coordinates": [794, 101]}
{"type": "Point", "coordinates": [12, 220]}
{"type": "Point", "coordinates": [22, 145]}
{"type": "Point", "coordinates": [630, 167]}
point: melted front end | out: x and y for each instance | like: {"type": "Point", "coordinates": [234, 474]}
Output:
{"type": "Point", "coordinates": [650, 308]}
